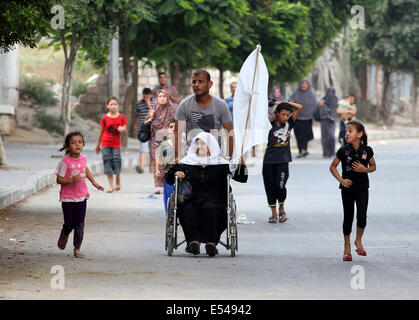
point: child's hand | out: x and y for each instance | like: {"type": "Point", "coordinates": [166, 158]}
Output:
{"type": "Point", "coordinates": [97, 149]}
{"type": "Point", "coordinates": [358, 167]}
{"type": "Point", "coordinates": [98, 186]}
{"type": "Point", "coordinates": [346, 183]}
{"type": "Point", "coordinates": [121, 129]}
{"type": "Point", "coordinates": [76, 178]}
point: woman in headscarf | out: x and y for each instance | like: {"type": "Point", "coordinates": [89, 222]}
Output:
{"type": "Point", "coordinates": [276, 94]}
{"type": "Point", "coordinates": [163, 112]}
{"type": "Point", "coordinates": [303, 129]}
{"type": "Point", "coordinates": [328, 105]}
{"type": "Point", "coordinates": [204, 217]}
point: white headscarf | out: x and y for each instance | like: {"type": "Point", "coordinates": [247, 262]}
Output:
{"type": "Point", "coordinates": [215, 153]}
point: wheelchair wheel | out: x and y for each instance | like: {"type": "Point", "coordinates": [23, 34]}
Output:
{"type": "Point", "coordinates": [233, 230]}
{"type": "Point", "coordinates": [170, 228]}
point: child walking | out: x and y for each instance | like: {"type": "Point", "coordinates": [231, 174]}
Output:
{"type": "Point", "coordinates": [71, 175]}
{"type": "Point", "coordinates": [112, 125]}
{"type": "Point", "coordinates": [165, 160]}
{"type": "Point", "coordinates": [275, 169]}
{"type": "Point", "coordinates": [357, 161]}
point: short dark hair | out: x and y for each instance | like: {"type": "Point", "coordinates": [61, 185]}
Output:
{"type": "Point", "coordinates": [111, 98]}
{"type": "Point", "coordinates": [198, 72]}
{"type": "Point", "coordinates": [283, 106]}
{"type": "Point", "coordinates": [162, 72]}
{"type": "Point", "coordinates": [147, 91]}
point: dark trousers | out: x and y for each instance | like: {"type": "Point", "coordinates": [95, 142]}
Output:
{"type": "Point", "coordinates": [74, 214]}
{"type": "Point", "coordinates": [349, 199]}
{"type": "Point", "coordinates": [275, 177]}
{"type": "Point", "coordinates": [203, 222]}
{"type": "Point", "coordinates": [328, 137]}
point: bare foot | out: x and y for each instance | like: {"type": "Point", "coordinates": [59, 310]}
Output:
{"type": "Point", "coordinates": [78, 254]}
{"type": "Point", "coordinates": [118, 187]}
{"type": "Point", "coordinates": [110, 190]}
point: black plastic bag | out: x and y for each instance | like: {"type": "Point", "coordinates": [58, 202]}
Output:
{"type": "Point", "coordinates": [144, 132]}
{"type": "Point", "coordinates": [184, 191]}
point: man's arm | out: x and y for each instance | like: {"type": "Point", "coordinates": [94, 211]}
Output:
{"type": "Point", "coordinates": [179, 129]}
{"type": "Point", "coordinates": [229, 127]}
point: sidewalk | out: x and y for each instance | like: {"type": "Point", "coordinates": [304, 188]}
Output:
{"type": "Point", "coordinates": [31, 166]}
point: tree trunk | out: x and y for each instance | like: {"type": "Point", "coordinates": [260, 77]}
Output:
{"type": "Point", "coordinates": [385, 104]}
{"type": "Point", "coordinates": [135, 93]}
{"type": "Point", "coordinates": [174, 70]}
{"type": "Point", "coordinates": [3, 159]}
{"type": "Point", "coordinates": [221, 84]}
{"type": "Point", "coordinates": [415, 85]}
{"type": "Point", "coordinates": [129, 88]}
{"type": "Point", "coordinates": [69, 60]}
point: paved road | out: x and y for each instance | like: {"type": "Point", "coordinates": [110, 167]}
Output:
{"type": "Point", "coordinates": [300, 259]}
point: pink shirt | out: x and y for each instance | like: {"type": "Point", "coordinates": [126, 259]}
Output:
{"type": "Point", "coordinates": [68, 168]}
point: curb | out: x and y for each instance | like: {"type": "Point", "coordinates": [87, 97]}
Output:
{"type": "Point", "coordinates": [46, 178]}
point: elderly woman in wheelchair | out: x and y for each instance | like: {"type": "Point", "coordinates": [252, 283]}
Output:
{"type": "Point", "coordinates": [204, 216]}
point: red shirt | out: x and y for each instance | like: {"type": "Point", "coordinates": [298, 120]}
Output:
{"type": "Point", "coordinates": [111, 136]}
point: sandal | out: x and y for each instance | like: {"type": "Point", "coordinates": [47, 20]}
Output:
{"type": "Point", "coordinates": [282, 217]}
{"type": "Point", "coordinates": [273, 219]}
{"type": "Point", "coordinates": [78, 254]}
{"type": "Point", "coordinates": [347, 257]}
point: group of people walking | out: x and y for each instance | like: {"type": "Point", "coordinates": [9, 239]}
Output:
{"type": "Point", "coordinates": [203, 218]}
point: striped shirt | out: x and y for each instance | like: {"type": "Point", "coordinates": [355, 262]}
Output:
{"type": "Point", "coordinates": [141, 110]}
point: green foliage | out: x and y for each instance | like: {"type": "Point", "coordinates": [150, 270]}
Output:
{"type": "Point", "coordinates": [23, 22]}
{"type": "Point", "coordinates": [391, 36]}
{"type": "Point", "coordinates": [48, 122]}
{"type": "Point", "coordinates": [79, 87]}
{"type": "Point", "coordinates": [38, 90]}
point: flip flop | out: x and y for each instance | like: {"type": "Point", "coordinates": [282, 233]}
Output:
{"type": "Point", "coordinates": [273, 219]}
{"type": "Point", "coordinates": [361, 252]}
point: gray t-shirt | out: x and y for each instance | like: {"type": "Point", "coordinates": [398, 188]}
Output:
{"type": "Point", "coordinates": [212, 117]}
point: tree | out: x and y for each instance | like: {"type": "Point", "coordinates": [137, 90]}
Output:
{"type": "Point", "coordinates": [88, 22]}
{"type": "Point", "coordinates": [391, 39]}
{"type": "Point", "coordinates": [23, 22]}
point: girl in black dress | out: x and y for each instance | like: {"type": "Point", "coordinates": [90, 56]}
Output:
{"type": "Point", "coordinates": [357, 161]}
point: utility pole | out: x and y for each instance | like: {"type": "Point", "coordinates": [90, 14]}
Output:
{"type": "Point", "coordinates": [113, 66]}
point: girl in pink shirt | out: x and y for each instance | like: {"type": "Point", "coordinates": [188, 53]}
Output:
{"type": "Point", "coordinates": [71, 175]}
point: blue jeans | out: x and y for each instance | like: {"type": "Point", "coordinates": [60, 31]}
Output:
{"type": "Point", "coordinates": [167, 192]}
{"type": "Point", "coordinates": [111, 160]}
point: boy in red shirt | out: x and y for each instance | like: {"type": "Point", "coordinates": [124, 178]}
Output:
{"type": "Point", "coordinates": [112, 125]}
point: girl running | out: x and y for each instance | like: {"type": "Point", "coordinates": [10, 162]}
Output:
{"type": "Point", "coordinates": [357, 161]}
{"type": "Point", "coordinates": [71, 175]}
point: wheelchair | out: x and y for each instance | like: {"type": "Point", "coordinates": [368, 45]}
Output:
{"type": "Point", "coordinates": [172, 222]}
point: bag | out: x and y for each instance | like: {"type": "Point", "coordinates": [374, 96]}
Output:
{"type": "Point", "coordinates": [242, 177]}
{"type": "Point", "coordinates": [316, 114]}
{"type": "Point", "coordinates": [144, 133]}
{"type": "Point", "coordinates": [184, 191]}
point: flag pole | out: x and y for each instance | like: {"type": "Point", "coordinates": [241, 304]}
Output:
{"type": "Point", "coordinates": [248, 108]}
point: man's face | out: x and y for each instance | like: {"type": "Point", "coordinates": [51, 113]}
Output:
{"type": "Point", "coordinates": [163, 79]}
{"type": "Point", "coordinates": [351, 99]}
{"type": "Point", "coordinates": [200, 84]}
{"type": "Point", "coordinates": [233, 88]}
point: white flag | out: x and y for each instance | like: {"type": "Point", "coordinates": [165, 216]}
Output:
{"type": "Point", "coordinates": [252, 87]}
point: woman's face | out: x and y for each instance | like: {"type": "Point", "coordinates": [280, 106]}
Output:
{"type": "Point", "coordinates": [202, 148]}
{"type": "Point", "coordinates": [162, 98]}
{"type": "Point", "coordinates": [277, 93]}
{"type": "Point", "coordinates": [304, 85]}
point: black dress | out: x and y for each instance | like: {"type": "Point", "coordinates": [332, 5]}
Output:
{"type": "Point", "coordinates": [204, 217]}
